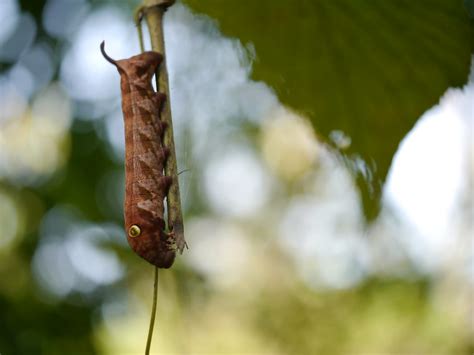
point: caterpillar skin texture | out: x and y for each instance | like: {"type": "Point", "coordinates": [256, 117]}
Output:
{"type": "Point", "coordinates": [145, 184]}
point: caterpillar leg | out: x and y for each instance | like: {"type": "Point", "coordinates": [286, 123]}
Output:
{"type": "Point", "coordinates": [169, 239]}
{"type": "Point", "coordinates": [159, 99]}
{"type": "Point", "coordinates": [165, 183]}
{"type": "Point", "coordinates": [166, 153]}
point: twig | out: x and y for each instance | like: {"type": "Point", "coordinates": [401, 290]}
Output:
{"type": "Point", "coordinates": [153, 313]}
{"type": "Point", "coordinates": [153, 11]}
{"type": "Point", "coordinates": [138, 16]}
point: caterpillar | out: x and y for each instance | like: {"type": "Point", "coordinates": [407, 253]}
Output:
{"type": "Point", "coordinates": [146, 186]}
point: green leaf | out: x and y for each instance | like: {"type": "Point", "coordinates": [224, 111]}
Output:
{"type": "Point", "coordinates": [367, 67]}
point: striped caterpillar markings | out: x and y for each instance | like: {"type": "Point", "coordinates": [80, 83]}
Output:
{"type": "Point", "coordinates": [146, 186]}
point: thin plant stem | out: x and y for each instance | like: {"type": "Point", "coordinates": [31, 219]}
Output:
{"type": "Point", "coordinates": [138, 22]}
{"type": "Point", "coordinates": [153, 313]}
{"type": "Point", "coordinates": [153, 13]}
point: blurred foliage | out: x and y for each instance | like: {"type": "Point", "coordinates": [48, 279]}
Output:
{"type": "Point", "coordinates": [324, 326]}
{"type": "Point", "coordinates": [368, 68]}
{"type": "Point", "coordinates": [36, 327]}
{"type": "Point", "coordinates": [470, 7]}
{"type": "Point", "coordinates": [86, 166]}
{"type": "Point", "coordinates": [31, 322]}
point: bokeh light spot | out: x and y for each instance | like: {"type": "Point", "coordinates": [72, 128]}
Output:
{"type": "Point", "coordinates": [289, 145]}
{"type": "Point", "coordinates": [9, 16]}
{"type": "Point", "coordinates": [235, 183]}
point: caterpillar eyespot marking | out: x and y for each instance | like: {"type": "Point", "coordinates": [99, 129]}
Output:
{"type": "Point", "coordinates": [134, 231]}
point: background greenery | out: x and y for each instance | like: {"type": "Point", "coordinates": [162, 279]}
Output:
{"type": "Point", "coordinates": [368, 68]}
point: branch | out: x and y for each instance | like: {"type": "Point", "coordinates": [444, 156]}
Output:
{"type": "Point", "coordinates": [153, 11]}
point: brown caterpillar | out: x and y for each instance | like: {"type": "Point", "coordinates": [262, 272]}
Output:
{"type": "Point", "coordinates": [145, 184]}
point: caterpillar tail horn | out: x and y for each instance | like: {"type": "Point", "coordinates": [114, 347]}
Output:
{"type": "Point", "coordinates": [106, 56]}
